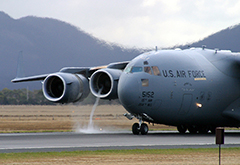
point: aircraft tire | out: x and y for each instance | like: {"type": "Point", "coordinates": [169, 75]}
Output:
{"type": "Point", "coordinates": [144, 129]}
{"type": "Point", "coordinates": [192, 129]}
{"type": "Point", "coordinates": [135, 129]}
{"type": "Point", "coordinates": [181, 129]}
{"type": "Point", "coordinates": [203, 130]}
{"type": "Point", "coordinates": [213, 130]}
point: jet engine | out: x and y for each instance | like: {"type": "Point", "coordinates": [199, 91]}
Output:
{"type": "Point", "coordinates": [104, 82]}
{"type": "Point", "coordinates": [65, 87]}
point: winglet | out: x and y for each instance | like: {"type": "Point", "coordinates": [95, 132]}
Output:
{"type": "Point", "coordinates": [20, 69]}
{"type": "Point", "coordinates": [21, 75]}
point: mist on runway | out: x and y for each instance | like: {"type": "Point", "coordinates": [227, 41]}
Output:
{"type": "Point", "coordinates": [90, 128]}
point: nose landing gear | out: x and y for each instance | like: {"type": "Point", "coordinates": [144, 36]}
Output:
{"type": "Point", "coordinates": [140, 128]}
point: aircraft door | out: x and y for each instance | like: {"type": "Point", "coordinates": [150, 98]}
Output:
{"type": "Point", "coordinates": [186, 104]}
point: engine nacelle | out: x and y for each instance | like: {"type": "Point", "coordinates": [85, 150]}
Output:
{"type": "Point", "coordinates": [65, 87]}
{"type": "Point", "coordinates": [106, 81]}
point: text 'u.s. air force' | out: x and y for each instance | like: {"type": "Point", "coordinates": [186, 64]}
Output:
{"type": "Point", "coordinates": [183, 73]}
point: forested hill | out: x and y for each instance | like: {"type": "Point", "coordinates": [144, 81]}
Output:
{"type": "Point", "coordinates": [47, 46]}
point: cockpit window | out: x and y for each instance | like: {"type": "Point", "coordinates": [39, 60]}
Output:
{"type": "Point", "coordinates": [136, 69]}
{"type": "Point", "coordinates": [156, 71]}
{"type": "Point", "coordinates": [133, 69]}
{"type": "Point", "coordinates": [152, 70]}
{"type": "Point", "coordinates": [128, 69]}
{"type": "Point", "coordinates": [148, 70]}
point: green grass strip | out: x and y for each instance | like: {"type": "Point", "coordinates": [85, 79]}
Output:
{"type": "Point", "coordinates": [44, 155]}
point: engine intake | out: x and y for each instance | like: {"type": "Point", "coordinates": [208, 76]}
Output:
{"type": "Point", "coordinates": [104, 82]}
{"type": "Point", "coordinates": [65, 87]}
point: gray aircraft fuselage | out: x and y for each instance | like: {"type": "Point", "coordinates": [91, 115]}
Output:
{"type": "Point", "coordinates": [192, 87]}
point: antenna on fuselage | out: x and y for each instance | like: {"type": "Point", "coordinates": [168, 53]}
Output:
{"type": "Point", "coordinates": [203, 47]}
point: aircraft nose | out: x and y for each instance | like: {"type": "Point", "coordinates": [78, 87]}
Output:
{"type": "Point", "coordinates": [128, 90]}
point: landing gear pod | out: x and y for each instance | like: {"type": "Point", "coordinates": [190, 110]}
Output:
{"type": "Point", "coordinates": [65, 87]}
{"type": "Point", "coordinates": [105, 80]}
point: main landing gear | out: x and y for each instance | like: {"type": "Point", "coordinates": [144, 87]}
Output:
{"type": "Point", "coordinates": [140, 128]}
{"type": "Point", "coordinates": [195, 129]}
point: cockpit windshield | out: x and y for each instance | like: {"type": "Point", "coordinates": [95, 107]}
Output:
{"type": "Point", "coordinates": [136, 69]}
{"type": "Point", "coordinates": [133, 69]}
{"type": "Point", "coordinates": [153, 70]}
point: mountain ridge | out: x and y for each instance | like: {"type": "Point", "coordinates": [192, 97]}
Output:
{"type": "Point", "coordinates": [49, 45]}
{"type": "Point", "coordinates": [226, 39]}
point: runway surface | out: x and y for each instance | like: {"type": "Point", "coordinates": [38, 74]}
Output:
{"type": "Point", "coordinates": [44, 142]}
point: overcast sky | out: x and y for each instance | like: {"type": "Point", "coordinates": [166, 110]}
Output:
{"type": "Point", "coordinates": [140, 23]}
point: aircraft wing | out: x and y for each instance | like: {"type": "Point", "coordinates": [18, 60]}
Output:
{"type": "Point", "coordinates": [86, 71]}
{"type": "Point", "coordinates": [30, 78]}
{"type": "Point", "coordinates": [74, 70]}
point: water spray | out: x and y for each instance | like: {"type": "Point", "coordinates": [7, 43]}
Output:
{"type": "Point", "coordinates": [90, 124]}
{"type": "Point", "coordinates": [90, 128]}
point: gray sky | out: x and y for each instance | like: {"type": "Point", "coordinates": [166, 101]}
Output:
{"type": "Point", "coordinates": [140, 23]}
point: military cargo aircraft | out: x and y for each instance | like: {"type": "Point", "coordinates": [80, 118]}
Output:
{"type": "Point", "coordinates": [195, 89]}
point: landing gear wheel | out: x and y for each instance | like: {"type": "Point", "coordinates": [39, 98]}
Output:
{"type": "Point", "coordinates": [213, 130]}
{"type": "Point", "coordinates": [135, 129]}
{"type": "Point", "coordinates": [203, 130]}
{"type": "Point", "coordinates": [181, 129]}
{"type": "Point", "coordinates": [144, 129]}
{"type": "Point", "coordinates": [192, 129]}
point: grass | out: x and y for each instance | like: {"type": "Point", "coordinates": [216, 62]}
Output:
{"type": "Point", "coordinates": [19, 119]}
{"type": "Point", "coordinates": [35, 155]}
{"type": "Point", "coordinates": [150, 156]}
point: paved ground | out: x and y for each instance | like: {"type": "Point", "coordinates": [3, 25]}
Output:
{"type": "Point", "coordinates": [35, 142]}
